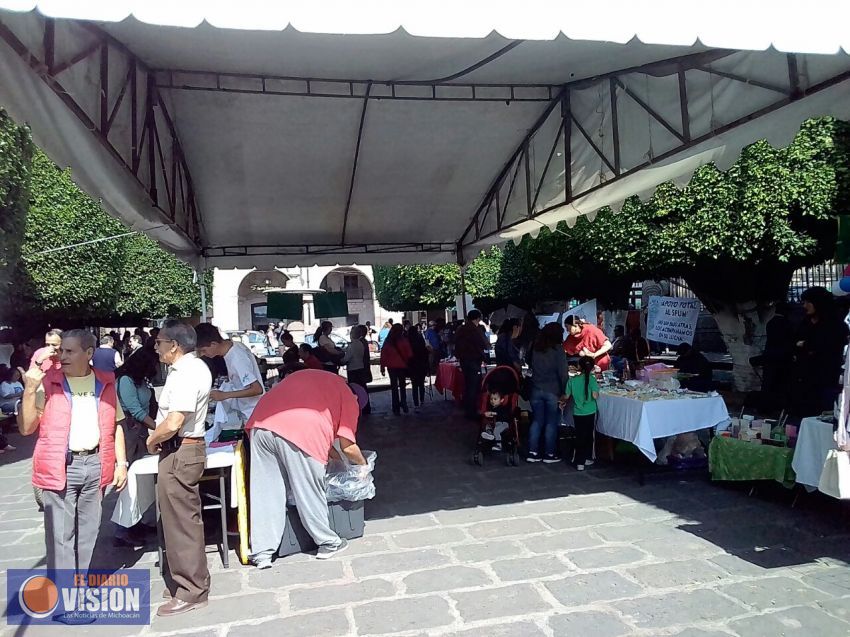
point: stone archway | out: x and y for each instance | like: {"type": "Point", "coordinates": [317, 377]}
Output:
{"type": "Point", "coordinates": [358, 289]}
{"type": "Point", "coordinates": [252, 299]}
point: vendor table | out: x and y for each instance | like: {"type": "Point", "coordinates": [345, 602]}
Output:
{"type": "Point", "coordinates": [739, 460]}
{"type": "Point", "coordinates": [641, 421]}
{"type": "Point", "coordinates": [140, 493]}
{"type": "Point", "coordinates": [450, 377]}
{"type": "Point", "coordinates": [814, 440]}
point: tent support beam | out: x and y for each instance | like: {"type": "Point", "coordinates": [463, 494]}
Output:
{"type": "Point", "coordinates": [402, 90]}
{"type": "Point", "coordinates": [354, 164]}
{"type": "Point", "coordinates": [315, 249]}
{"type": "Point", "coordinates": [479, 231]}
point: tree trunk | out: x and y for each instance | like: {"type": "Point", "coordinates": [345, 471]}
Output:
{"type": "Point", "coordinates": [743, 326]}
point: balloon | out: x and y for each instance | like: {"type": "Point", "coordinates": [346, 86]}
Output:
{"type": "Point", "coordinates": [836, 289]}
{"type": "Point", "coordinates": [847, 270]}
{"type": "Point", "coordinates": [844, 284]}
{"type": "Point", "coordinates": [362, 396]}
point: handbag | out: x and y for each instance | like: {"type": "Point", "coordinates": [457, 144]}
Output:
{"type": "Point", "coordinates": [835, 477]}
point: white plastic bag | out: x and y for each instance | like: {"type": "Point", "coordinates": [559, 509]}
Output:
{"type": "Point", "coordinates": [351, 482]}
{"type": "Point", "coordinates": [835, 478]}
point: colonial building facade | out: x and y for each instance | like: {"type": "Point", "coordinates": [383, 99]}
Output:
{"type": "Point", "coordinates": [240, 296]}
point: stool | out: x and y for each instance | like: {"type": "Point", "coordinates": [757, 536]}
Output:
{"type": "Point", "coordinates": [219, 502]}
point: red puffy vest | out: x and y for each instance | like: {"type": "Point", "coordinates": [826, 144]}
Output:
{"type": "Point", "coordinates": [48, 460]}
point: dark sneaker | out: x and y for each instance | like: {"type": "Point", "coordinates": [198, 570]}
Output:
{"type": "Point", "coordinates": [533, 457]}
{"type": "Point", "coordinates": [551, 459]}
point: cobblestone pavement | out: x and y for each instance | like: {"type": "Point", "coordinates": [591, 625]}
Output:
{"type": "Point", "coordinates": [451, 549]}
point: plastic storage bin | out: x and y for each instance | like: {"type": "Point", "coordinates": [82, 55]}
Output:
{"type": "Point", "coordinates": [346, 518]}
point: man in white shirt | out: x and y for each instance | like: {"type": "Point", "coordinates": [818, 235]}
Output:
{"type": "Point", "coordinates": [243, 373]}
{"type": "Point", "coordinates": [179, 440]}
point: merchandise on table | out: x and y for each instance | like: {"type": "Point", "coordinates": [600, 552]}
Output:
{"type": "Point", "coordinates": [740, 460]}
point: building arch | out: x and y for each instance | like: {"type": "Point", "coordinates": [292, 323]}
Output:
{"type": "Point", "coordinates": [252, 300]}
{"type": "Point", "coordinates": [359, 289]}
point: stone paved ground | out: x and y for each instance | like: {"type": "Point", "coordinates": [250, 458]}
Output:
{"type": "Point", "coordinates": [537, 550]}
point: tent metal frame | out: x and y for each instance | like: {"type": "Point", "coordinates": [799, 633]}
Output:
{"type": "Point", "coordinates": [518, 165]}
{"type": "Point", "coordinates": [164, 173]}
{"type": "Point", "coordinates": [150, 120]}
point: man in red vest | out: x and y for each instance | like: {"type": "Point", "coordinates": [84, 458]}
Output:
{"type": "Point", "coordinates": [80, 447]}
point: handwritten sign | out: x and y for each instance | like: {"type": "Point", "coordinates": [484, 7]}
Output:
{"type": "Point", "coordinates": [586, 312]}
{"type": "Point", "coordinates": [545, 319]}
{"type": "Point", "coordinates": [672, 320]}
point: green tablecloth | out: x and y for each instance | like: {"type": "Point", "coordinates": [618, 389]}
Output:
{"type": "Point", "coordinates": [731, 459]}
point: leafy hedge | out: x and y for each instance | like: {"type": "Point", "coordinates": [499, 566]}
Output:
{"type": "Point", "coordinates": [16, 150]}
{"type": "Point", "coordinates": [120, 280]}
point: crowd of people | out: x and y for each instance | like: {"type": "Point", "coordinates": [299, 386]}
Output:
{"type": "Point", "coordinates": [92, 405]}
{"type": "Point", "coordinates": [94, 411]}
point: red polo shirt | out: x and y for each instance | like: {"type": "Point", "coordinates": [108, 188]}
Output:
{"type": "Point", "coordinates": [310, 409]}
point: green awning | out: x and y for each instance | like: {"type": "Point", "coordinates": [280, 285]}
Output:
{"type": "Point", "coordinates": [285, 306]}
{"type": "Point", "coordinates": [330, 305]}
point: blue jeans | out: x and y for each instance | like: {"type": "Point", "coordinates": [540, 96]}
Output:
{"type": "Point", "coordinates": [545, 417]}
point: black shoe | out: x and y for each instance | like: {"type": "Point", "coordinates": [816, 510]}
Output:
{"type": "Point", "coordinates": [551, 459]}
{"type": "Point", "coordinates": [405, 409]}
{"type": "Point", "coordinates": [397, 412]}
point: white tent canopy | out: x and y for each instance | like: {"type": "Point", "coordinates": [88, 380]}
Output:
{"type": "Point", "coordinates": [276, 133]}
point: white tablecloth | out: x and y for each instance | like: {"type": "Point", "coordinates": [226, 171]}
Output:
{"type": "Point", "coordinates": [139, 494]}
{"type": "Point", "coordinates": [814, 440]}
{"type": "Point", "coordinates": [639, 422]}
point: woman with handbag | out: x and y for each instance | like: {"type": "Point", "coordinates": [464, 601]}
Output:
{"type": "Point", "coordinates": [136, 395]}
{"type": "Point", "coordinates": [395, 357]}
{"type": "Point", "coordinates": [138, 402]}
{"type": "Point", "coordinates": [548, 382]}
{"type": "Point", "coordinates": [325, 349]}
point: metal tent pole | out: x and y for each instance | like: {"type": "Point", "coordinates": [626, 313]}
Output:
{"type": "Point", "coordinates": [200, 278]}
{"type": "Point", "coordinates": [463, 290]}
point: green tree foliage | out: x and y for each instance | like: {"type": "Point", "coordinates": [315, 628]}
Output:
{"type": "Point", "coordinates": [15, 162]}
{"type": "Point", "coordinates": [126, 279]}
{"type": "Point", "coordinates": [414, 287]}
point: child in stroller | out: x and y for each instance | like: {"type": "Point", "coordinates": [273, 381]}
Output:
{"type": "Point", "coordinates": [499, 429]}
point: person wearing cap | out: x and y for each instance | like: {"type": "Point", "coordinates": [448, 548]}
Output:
{"type": "Point", "coordinates": [470, 345]}
{"type": "Point", "coordinates": [179, 440]}
{"type": "Point", "coordinates": [292, 431]}
{"type": "Point", "coordinates": [587, 340]}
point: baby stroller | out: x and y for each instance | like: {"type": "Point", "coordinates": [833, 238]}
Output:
{"type": "Point", "coordinates": [505, 381]}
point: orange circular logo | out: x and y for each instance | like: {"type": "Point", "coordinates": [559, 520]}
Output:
{"type": "Point", "coordinates": [38, 596]}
